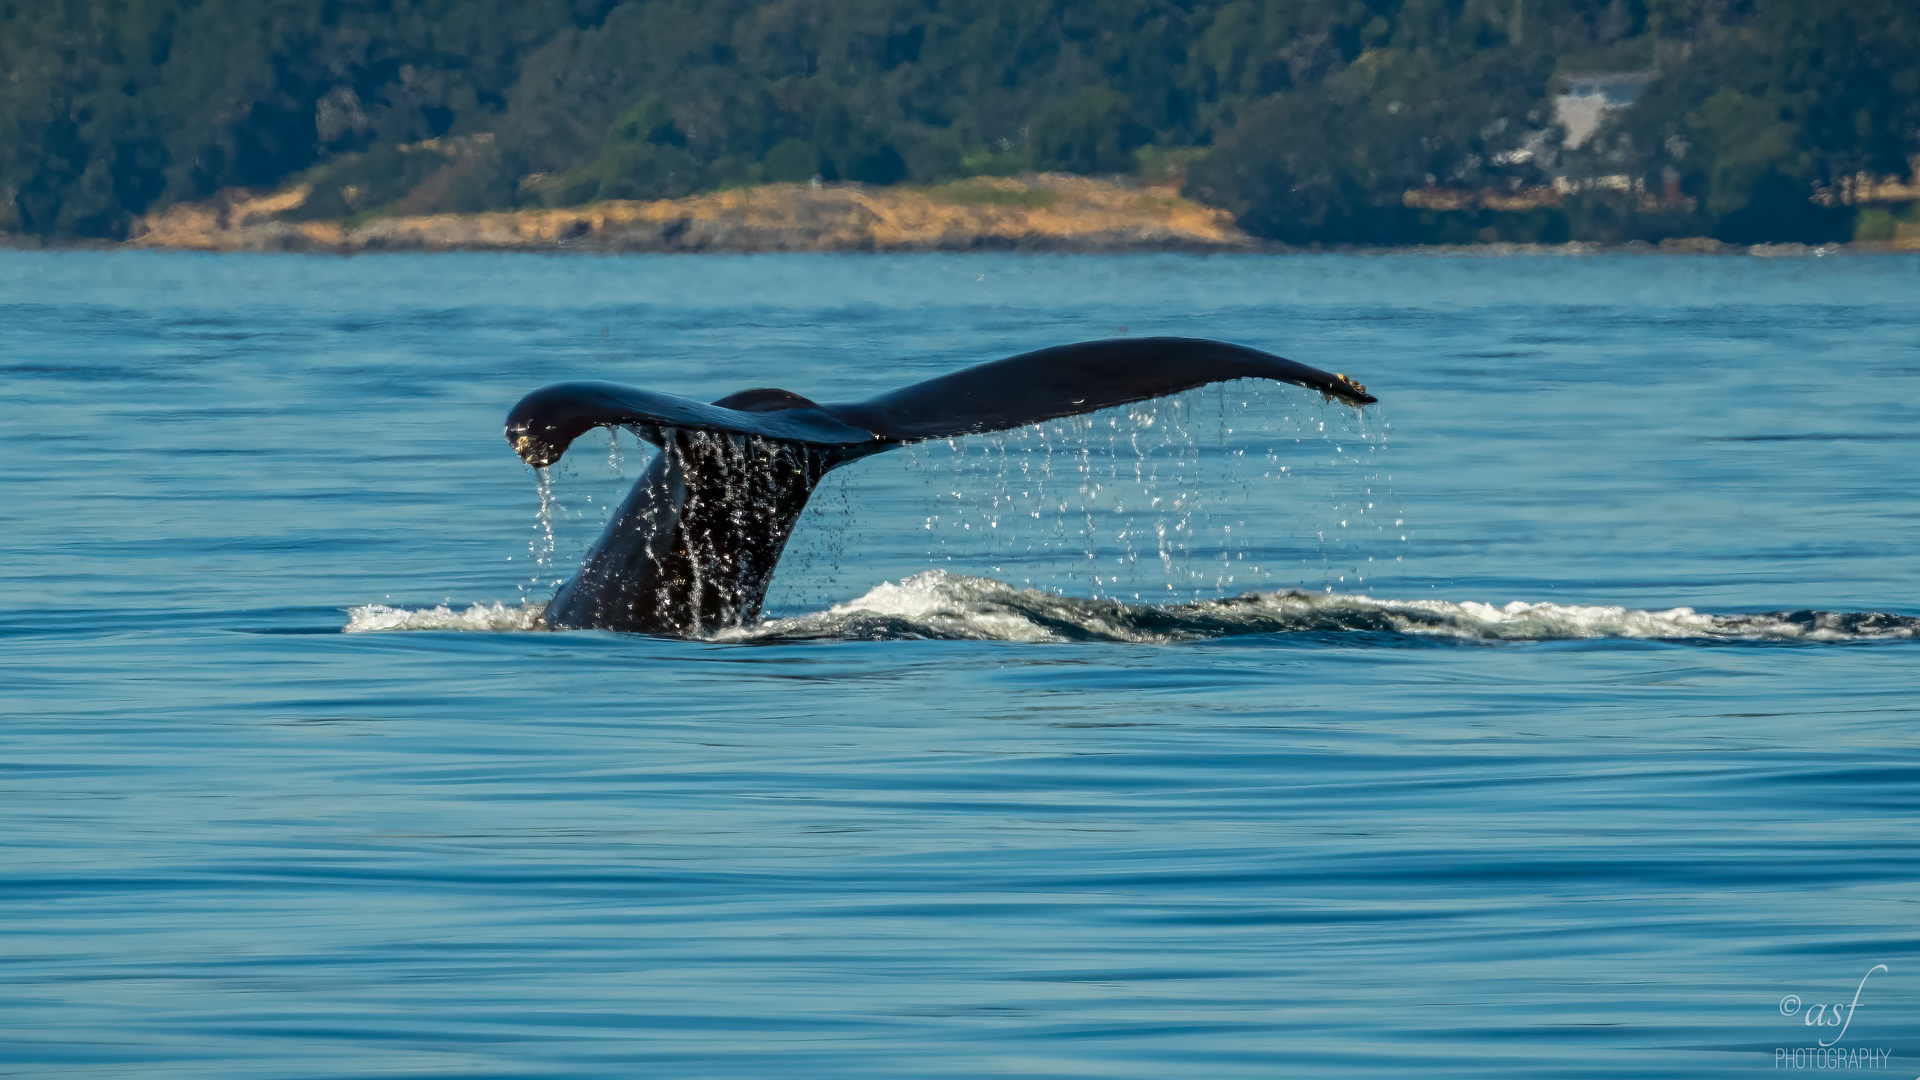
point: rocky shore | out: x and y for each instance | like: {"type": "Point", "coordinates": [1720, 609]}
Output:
{"type": "Point", "coordinates": [1046, 212]}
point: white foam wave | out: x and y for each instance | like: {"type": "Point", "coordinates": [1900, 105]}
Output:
{"type": "Point", "coordinates": [373, 618]}
{"type": "Point", "coordinates": [942, 605]}
{"type": "Point", "coordinates": [937, 604]}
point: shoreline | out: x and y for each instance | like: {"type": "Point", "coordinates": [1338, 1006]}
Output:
{"type": "Point", "coordinates": [1571, 249]}
{"type": "Point", "coordinates": [1046, 213]}
{"type": "Point", "coordinates": [990, 246]}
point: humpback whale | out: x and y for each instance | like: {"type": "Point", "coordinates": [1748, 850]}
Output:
{"type": "Point", "coordinates": [693, 547]}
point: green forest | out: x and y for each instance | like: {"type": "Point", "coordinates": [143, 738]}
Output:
{"type": "Point", "coordinates": [1309, 120]}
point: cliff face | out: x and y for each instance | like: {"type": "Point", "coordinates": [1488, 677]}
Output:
{"type": "Point", "coordinates": [1050, 211]}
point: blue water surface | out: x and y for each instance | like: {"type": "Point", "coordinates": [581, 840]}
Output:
{"type": "Point", "coordinates": [237, 842]}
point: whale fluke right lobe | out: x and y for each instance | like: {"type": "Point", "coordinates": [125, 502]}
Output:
{"type": "Point", "coordinates": [1072, 379]}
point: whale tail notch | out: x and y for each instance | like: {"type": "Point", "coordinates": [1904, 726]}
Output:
{"type": "Point", "coordinates": [693, 548]}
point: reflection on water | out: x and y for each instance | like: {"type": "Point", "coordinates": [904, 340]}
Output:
{"type": "Point", "coordinates": [1584, 776]}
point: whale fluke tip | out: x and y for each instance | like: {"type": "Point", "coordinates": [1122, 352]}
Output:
{"type": "Point", "coordinates": [1347, 390]}
{"type": "Point", "coordinates": [535, 452]}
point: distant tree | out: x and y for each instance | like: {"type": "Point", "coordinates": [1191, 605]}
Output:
{"type": "Point", "coordinates": [1769, 109]}
{"type": "Point", "coordinates": [1309, 118]}
{"type": "Point", "coordinates": [1330, 164]}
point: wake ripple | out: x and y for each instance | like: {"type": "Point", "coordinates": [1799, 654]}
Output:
{"type": "Point", "coordinates": [937, 604]}
{"type": "Point", "coordinates": [954, 607]}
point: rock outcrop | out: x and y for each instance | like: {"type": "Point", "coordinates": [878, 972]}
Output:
{"type": "Point", "coordinates": [1050, 211]}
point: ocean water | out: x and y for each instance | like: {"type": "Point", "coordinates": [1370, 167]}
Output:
{"type": "Point", "coordinates": [1556, 717]}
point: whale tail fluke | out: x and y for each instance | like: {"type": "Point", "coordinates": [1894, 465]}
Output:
{"type": "Point", "coordinates": [693, 548]}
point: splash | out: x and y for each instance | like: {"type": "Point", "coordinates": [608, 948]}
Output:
{"type": "Point", "coordinates": [1236, 486]}
{"type": "Point", "coordinates": [1148, 524]}
{"type": "Point", "coordinates": [957, 607]}
{"type": "Point", "coordinates": [1210, 493]}
{"type": "Point", "coordinates": [948, 606]}
{"type": "Point", "coordinates": [373, 618]}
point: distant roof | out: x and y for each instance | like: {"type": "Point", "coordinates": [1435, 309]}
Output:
{"type": "Point", "coordinates": [1614, 87]}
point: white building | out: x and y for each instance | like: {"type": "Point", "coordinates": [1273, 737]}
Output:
{"type": "Point", "coordinates": [1589, 98]}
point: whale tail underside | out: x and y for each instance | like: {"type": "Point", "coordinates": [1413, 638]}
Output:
{"type": "Point", "coordinates": [693, 548]}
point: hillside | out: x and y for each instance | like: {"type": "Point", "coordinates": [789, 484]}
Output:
{"type": "Point", "coordinates": [1310, 121]}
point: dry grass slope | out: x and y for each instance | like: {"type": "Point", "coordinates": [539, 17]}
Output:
{"type": "Point", "coordinates": [1049, 211]}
